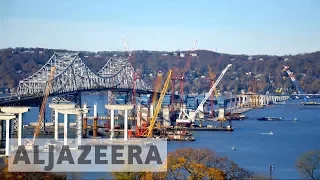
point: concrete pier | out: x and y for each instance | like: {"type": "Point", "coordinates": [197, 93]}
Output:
{"type": "Point", "coordinates": [95, 119]}
{"type": "Point", "coordinates": [19, 111]}
{"type": "Point", "coordinates": [124, 108]}
{"type": "Point", "coordinates": [7, 117]}
{"type": "Point", "coordinates": [56, 108]}
{"type": "Point", "coordinates": [73, 111]}
{"type": "Point", "coordinates": [166, 116]}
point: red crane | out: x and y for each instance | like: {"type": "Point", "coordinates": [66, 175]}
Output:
{"type": "Point", "coordinates": [135, 77]}
{"type": "Point", "coordinates": [181, 78]}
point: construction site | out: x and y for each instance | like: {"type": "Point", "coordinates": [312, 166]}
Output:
{"type": "Point", "coordinates": [173, 121]}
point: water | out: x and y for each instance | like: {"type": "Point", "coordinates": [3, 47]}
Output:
{"type": "Point", "coordinates": [255, 151]}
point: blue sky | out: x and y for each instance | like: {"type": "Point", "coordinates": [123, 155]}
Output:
{"type": "Point", "coordinates": [232, 26]}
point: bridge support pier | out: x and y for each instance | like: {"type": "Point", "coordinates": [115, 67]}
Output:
{"type": "Point", "coordinates": [124, 108]}
{"type": "Point", "coordinates": [166, 116]}
{"type": "Point", "coordinates": [95, 120]}
{"type": "Point", "coordinates": [56, 108]}
{"type": "Point", "coordinates": [65, 129]}
{"type": "Point", "coordinates": [73, 111]}
{"type": "Point", "coordinates": [85, 122]}
{"type": "Point", "coordinates": [7, 117]}
{"type": "Point", "coordinates": [19, 111]}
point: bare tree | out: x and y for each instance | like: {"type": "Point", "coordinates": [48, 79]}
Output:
{"type": "Point", "coordinates": [309, 165]}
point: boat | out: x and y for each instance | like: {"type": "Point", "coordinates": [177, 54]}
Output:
{"type": "Point", "coordinates": [184, 133]}
{"type": "Point", "coordinates": [269, 133]}
{"type": "Point", "coordinates": [233, 148]}
{"type": "Point", "coordinates": [176, 137]}
{"type": "Point", "coordinates": [281, 102]}
{"type": "Point", "coordinates": [269, 119]}
{"type": "Point", "coordinates": [310, 103]}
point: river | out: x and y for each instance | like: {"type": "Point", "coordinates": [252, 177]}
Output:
{"type": "Point", "coordinates": [255, 151]}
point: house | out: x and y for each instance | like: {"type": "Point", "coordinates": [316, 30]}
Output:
{"type": "Point", "coordinates": [193, 54]}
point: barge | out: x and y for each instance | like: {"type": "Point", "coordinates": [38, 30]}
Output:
{"type": "Point", "coordinates": [269, 119]}
{"type": "Point", "coordinates": [207, 128]}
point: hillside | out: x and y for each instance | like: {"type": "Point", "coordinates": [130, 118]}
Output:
{"type": "Point", "coordinates": [19, 63]}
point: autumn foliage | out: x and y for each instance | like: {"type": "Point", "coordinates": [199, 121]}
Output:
{"type": "Point", "coordinates": [194, 164]}
{"type": "Point", "coordinates": [6, 175]}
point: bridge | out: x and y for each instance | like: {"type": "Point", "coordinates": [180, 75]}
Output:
{"type": "Point", "coordinates": [73, 76]}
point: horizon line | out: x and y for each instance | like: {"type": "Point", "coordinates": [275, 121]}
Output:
{"type": "Point", "coordinates": [170, 51]}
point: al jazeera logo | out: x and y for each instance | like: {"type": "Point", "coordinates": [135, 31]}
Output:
{"type": "Point", "coordinates": [100, 156]}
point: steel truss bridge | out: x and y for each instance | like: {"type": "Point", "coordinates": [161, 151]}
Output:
{"type": "Point", "coordinates": [73, 76]}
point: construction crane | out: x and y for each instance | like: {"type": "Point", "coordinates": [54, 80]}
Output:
{"type": "Point", "coordinates": [156, 87]}
{"type": "Point", "coordinates": [43, 106]}
{"type": "Point", "coordinates": [212, 77]}
{"type": "Point", "coordinates": [210, 92]}
{"type": "Point", "coordinates": [183, 72]}
{"type": "Point", "coordinates": [135, 77]}
{"type": "Point", "coordinates": [298, 87]}
{"type": "Point", "coordinates": [158, 107]}
{"type": "Point", "coordinates": [127, 49]}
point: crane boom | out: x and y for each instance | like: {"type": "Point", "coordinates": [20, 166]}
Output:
{"type": "Point", "coordinates": [293, 79]}
{"type": "Point", "coordinates": [210, 91]}
{"type": "Point", "coordinates": [212, 76]}
{"type": "Point", "coordinates": [158, 107]}
{"type": "Point", "coordinates": [156, 88]}
{"type": "Point", "coordinates": [44, 102]}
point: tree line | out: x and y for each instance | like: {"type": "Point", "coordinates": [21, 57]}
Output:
{"type": "Point", "coordinates": [258, 73]}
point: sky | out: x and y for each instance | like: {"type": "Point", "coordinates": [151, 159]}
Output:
{"type": "Point", "coordinates": [274, 27]}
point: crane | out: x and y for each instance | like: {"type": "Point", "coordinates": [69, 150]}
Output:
{"type": "Point", "coordinates": [210, 91]}
{"type": "Point", "coordinates": [135, 77]}
{"type": "Point", "coordinates": [158, 107]}
{"type": "Point", "coordinates": [293, 79]}
{"type": "Point", "coordinates": [126, 48]}
{"type": "Point", "coordinates": [299, 89]}
{"type": "Point", "coordinates": [185, 69]}
{"type": "Point", "coordinates": [156, 87]}
{"type": "Point", "coordinates": [43, 105]}
{"type": "Point", "coordinates": [212, 77]}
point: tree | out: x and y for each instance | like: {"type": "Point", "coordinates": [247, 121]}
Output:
{"type": "Point", "coordinates": [309, 165]}
{"type": "Point", "coordinates": [6, 175]}
{"type": "Point", "coordinates": [195, 164]}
